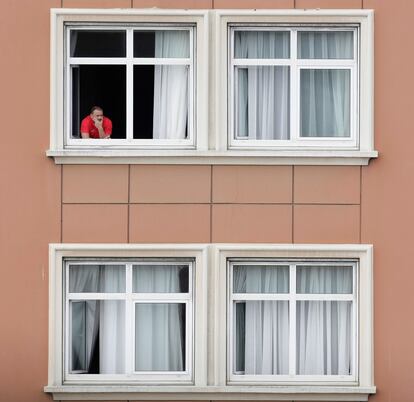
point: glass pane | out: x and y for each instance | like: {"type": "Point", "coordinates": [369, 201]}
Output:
{"type": "Point", "coordinates": [323, 339]}
{"type": "Point", "coordinates": [96, 278]}
{"type": "Point", "coordinates": [326, 45]}
{"type": "Point", "coordinates": [325, 103]}
{"type": "Point", "coordinates": [261, 337]}
{"type": "Point", "coordinates": [260, 279]}
{"type": "Point", "coordinates": [172, 44]}
{"type": "Point", "coordinates": [94, 43]}
{"type": "Point", "coordinates": [261, 45]}
{"type": "Point", "coordinates": [97, 337]}
{"type": "Point", "coordinates": [103, 86]}
{"type": "Point", "coordinates": [160, 337]}
{"type": "Point", "coordinates": [160, 278]}
{"type": "Point", "coordinates": [262, 103]}
{"type": "Point", "coordinates": [323, 279]}
{"type": "Point", "coordinates": [160, 102]}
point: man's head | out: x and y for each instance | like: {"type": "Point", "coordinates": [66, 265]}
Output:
{"type": "Point", "coordinates": [97, 113]}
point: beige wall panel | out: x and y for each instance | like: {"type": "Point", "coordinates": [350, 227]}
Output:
{"type": "Point", "coordinates": [97, 3]}
{"type": "Point", "coordinates": [95, 184]}
{"type": "Point", "coordinates": [252, 184]}
{"type": "Point", "coordinates": [29, 198]}
{"type": "Point", "coordinates": [98, 223]}
{"type": "Point", "coordinates": [326, 224]}
{"type": "Point", "coordinates": [170, 184]}
{"type": "Point", "coordinates": [327, 184]}
{"type": "Point", "coordinates": [173, 3]}
{"type": "Point", "coordinates": [329, 3]}
{"type": "Point", "coordinates": [252, 223]}
{"type": "Point", "coordinates": [253, 4]}
{"type": "Point", "coordinates": [169, 223]}
{"type": "Point", "coordinates": [388, 200]}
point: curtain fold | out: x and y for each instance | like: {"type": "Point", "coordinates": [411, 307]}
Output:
{"type": "Point", "coordinates": [170, 86]}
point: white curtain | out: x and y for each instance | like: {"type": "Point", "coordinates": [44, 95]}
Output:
{"type": "Point", "coordinates": [324, 327]}
{"type": "Point", "coordinates": [263, 91]}
{"type": "Point", "coordinates": [159, 327]}
{"type": "Point", "coordinates": [262, 327]}
{"type": "Point", "coordinates": [98, 322]}
{"type": "Point", "coordinates": [171, 86]}
{"type": "Point", "coordinates": [325, 93]}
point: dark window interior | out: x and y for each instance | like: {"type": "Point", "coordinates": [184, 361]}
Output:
{"type": "Point", "coordinates": [103, 86]}
{"type": "Point", "coordinates": [94, 43]}
{"type": "Point", "coordinates": [143, 101]}
{"type": "Point", "coordinates": [144, 44]}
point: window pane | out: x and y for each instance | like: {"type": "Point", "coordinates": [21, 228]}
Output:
{"type": "Point", "coordinates": [323, 279]}
{"type": "Point", "coordinates": [325, 103]}
{"type": "Point", "coordinates": [262, 103]}
{"type": "Point", "coordinates": [96, 278]}
{"type": "Point", "coordinates": [261, 337]}
{"type": "Point", "coordinates": [172, 44]}
{"type": "Point", "coordinates": [323, 341]}
{"type": "Point", "coordinates": [260, 279]}
{"type": "Point", "coordinates": [160, 102]}
{"type": "Point", "coordinates": [261, 45]}
{"type": "Point", "coordinates": [160, 337]}
{"type": "Point", "coordinates": [93, 43]}
{"type": "Point", "coordinates": [98, 336]}
{"type": "Point", "coordinates": [326, 45]}
{"type": "Point", "coordinates": [160, 279]}
{"type": "Point", "coordinates": [103, 86]}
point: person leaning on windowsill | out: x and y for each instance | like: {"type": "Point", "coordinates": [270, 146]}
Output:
{"type": "Point", "coordinates": [96, 125]}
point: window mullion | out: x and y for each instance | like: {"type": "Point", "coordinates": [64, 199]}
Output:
{"type": "Point", "coordinates": [294, 88]}
{"type": "Point", "coordinates": [129, 330]}
{"type": "Point", "coordinates": [292, 320]}
{"type": "Point", "coordinates": [130, 85]}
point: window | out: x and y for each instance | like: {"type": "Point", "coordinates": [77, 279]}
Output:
{"type": "Point", "coordinates": [134, 321]}
{"type": "Point", "coordinates": [106, 299]}
{"type": "Point", "coordinates": [143, 78]}
{"type": "Point", "coordinates": [292, 320]}
{"type": "Point", "coordinates": [294, 86]}
{"type": "Point", "coordinates": [212, 86]}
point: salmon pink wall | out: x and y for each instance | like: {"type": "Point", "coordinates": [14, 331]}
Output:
{"type": "Point", "coordinates": [42, 202]}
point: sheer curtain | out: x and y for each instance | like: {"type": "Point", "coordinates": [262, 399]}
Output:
{"type": "Point", "coordinates": [262, 329]}
{"type": "Point", "coordinates": [159, 327]}
{"type": "Point", "coordinates": [98, 325]}
{"type": "Point", "coordinates": [324, 327]}
{"type": "Point", "coordinates": [263, 91]}
{"type": "Point", "coordinates": [171, 86]}
{"type": "Point", "coordinates": [325, 93]}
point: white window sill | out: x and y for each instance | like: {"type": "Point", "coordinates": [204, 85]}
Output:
{"type": "Point", "coordinates": [166, 157]}
{"type": "Point", "coordinates": [159, 393]}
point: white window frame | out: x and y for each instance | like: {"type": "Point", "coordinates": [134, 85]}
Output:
{"type": "Point", "coordinates": [212, 142]}
{"type": "Point", "coordinates": [129, 62]}
{"type": "Point", "coordinates": [210, 380]}
{"type": "Point", "coordinates": [296, 65]}
{"type": "Point", "coordinates": [291, 297]}
{"type": "Point", "coordinates": [131, 299]}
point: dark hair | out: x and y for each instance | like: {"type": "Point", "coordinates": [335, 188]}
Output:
{"type": "Point", "coordinates": [96, 108]}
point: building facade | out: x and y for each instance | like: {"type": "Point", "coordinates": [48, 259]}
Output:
{"type": "Point", "coordinates": [286, 220]}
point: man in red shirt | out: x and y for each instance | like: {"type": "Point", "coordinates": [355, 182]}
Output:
{"type": "Point", "coordinates": [96, 125]}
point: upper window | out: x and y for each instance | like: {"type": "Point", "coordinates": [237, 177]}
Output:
{"type": "Point", "coordinates": [140, 78]}
{"type": "Point", "coordinates": [294, 86]}
{"type": "Point", "coordinates": [212, 86]}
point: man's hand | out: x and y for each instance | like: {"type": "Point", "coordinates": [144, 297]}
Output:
{"type": "Point", "coordinates": [98, 124]}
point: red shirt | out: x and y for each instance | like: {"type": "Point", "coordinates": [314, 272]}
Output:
{"type": "Point", "coordinates": [88, 126]}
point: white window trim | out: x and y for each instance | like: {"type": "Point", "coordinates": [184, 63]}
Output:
{"type": "Point", "coordinates": [211, 103]}
{"type": "Point", "coordinates": [210, 352]}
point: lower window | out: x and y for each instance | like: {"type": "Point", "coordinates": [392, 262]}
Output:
{"type": "Point", "coordinates": [130, 318]}
{"type": "Point", "coordinates": [292, 320]}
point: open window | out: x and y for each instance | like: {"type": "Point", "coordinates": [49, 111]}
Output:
{"type": "Point", "coordinates": [142, 76]}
